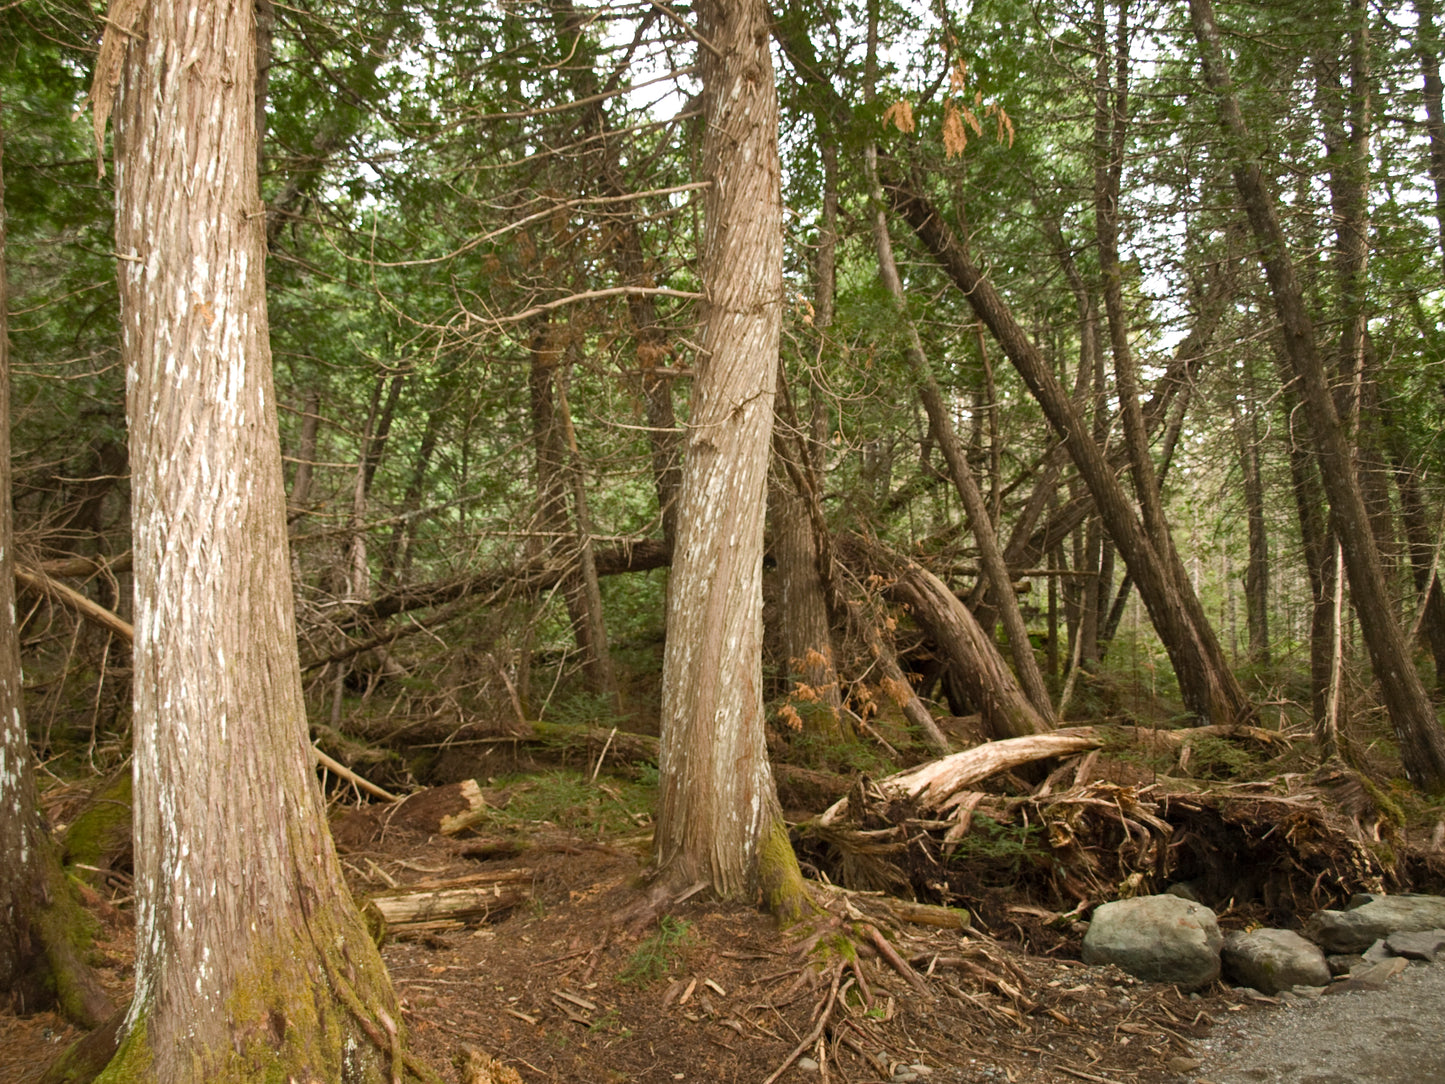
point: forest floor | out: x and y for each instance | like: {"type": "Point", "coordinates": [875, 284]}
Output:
{"type": "Point", "coordinates": [560, 986]}
{"type": "Point", "coordinates": [559, 990]}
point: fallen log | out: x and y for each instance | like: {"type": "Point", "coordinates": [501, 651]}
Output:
{"type": "Point", "coordinates": [975, 658]}
{"type": "Point", "coordinates": [931, 785]}
{"type": "Point", "coordinates": [442, 905]}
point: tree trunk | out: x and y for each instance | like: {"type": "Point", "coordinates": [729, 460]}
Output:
{"type": "Point", "coordinates": [1427, 43]}
{"type": "Point", "coordinates": [941, 425]}
{"type": "Point", "coordinates": [252, 962]}
{"type": "Point", "coordinates": [1421, 539]}
{"type": "Point", "coordinates": [1208, 687]}
{"type": "Point", "coordinates": [1007, 711]}
{"type": "Point", "coordinates": [1256, 575]}
{"type": "Point", "coordinates": [1422, 743]}
{"type": "Point", "coordinates": [42, 928]}
{"type": "Point", "coordinates": [718, 816]}
{"type": "Point", "coordinates": [557, 478]}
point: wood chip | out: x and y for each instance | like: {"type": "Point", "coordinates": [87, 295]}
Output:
{"type": "Point", "coordinates": [580, 1002]}
{"type": "Point", "coordinates": [522, 1016]}
{"type": "Point", "coordinates": [715, 988]}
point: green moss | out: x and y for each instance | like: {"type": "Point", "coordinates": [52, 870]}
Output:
{"type": "Point", "coordinates": [784, 892]}
{"type": "Point", "coordinates": [294, 1015]}
{"type": "Point", "coordinates": [103, 829]}
{"type": "Point", "coordinates": [132, 1063]}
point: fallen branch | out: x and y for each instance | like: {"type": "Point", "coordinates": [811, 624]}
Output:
{"type": "Point", "coordinates": [98, 615]}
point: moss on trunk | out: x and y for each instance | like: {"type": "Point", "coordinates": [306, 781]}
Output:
{"type": "Point", "coordinates": [306, 1008]}
{"type": "Point", "coordinates": [784, 892]}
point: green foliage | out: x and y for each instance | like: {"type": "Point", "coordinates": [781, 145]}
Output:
{"type": "Point", "coordinates": [658, 954]}
{"type": "Point", "coordinates": [570, 800]}
{"type": "Point", "coordinates": [1012, 847]}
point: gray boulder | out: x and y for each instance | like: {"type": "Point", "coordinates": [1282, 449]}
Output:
{"type": "Point", "coordinates": [1158, 938]}
{"type": "Point", "coordinates": [1416, 946]}
{"type": "Point", "coordinates": [1273, 960]}
{"type": "Point", "coordinates": [1355, 930]}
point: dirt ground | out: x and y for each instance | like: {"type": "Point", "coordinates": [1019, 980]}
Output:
{"type": "Point", "coordinates": [559, 990]}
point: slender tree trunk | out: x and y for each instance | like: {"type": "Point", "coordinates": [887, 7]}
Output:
{"type": "Point", "coordinates": [252, 962]}
{"type": "Point", "coordinates": [1422, 742]}
{"type": "Point", "coordinates": [1256, 575]}
{"type": "Point", "coordinates": [1420, 531]}
{"type": "Point", "coordinates": [557, 477]}
{"type": "Point", "coordinates": [1205, 681]}
{"type": "Point", "coordinates": [801, 548]}
{"type": "Point", "coordinates": [718, 816]}
{"type": "Point", "coordinates": [41, 924]}
{"type": "Point", "coordinates": [1427, 45]}
{"type": "Point", "coordinates": [941, 425]}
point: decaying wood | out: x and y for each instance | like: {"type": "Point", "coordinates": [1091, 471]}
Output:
{"type": "Point", "coordinates": [464, 900]}
{"type": "Point", "coordinates": [933, 783]}
{"type": "Point", "coordinates": [444, 809]}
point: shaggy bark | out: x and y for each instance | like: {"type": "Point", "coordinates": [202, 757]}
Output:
{"type": "Point", "coordinates": [718, 819]}
{"type": "Point", "coordinates": [252, 962]}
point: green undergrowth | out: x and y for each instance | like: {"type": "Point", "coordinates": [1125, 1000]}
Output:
{"type": "Point", "coordinates": [658, 954]}
{"type": "Point", "coordinates": [572, 800]}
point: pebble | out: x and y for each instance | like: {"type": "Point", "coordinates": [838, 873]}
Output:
{"type": "Point", "coordinates": [808, 1065]}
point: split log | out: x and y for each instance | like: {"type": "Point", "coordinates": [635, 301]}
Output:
{"type": "Point", "coordinates": [435, 905]}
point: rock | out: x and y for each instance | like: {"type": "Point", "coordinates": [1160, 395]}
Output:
{"type": "Point", "coordinates": [1343, 964]}
{"type": "Point", "coordinates": [808, 1065]}
{"type": "Point", "coordinates": [1158, 938]}
{"type": "Point", "coordinates": [1416, 946]}
{"type": "Point", "coordinates": [1370, 977]}
{"type": "Point", "coordinates": [1274, 960]}
{"type": "Point", "coordinates": [1356, 929]}
{"type": "Point", "coordinates": [1377, 953]}
{"type": "Point", "coordinates": [1184, 890]}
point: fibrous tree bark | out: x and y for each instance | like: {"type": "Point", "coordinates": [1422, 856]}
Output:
{"type": "Point", "coordinates": [42, 930]}
{"type": "Point", "coordinates": [1422, 742]}
{"type": "Point", "coordinates": [252, 962]}
{"type": "Point", "coordinates": [719, 821]}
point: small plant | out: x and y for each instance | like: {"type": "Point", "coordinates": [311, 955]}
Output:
{"type": "Point", "coordinates": [1007, 845]}
{"type": "Point", "coordinates": [654, 957]}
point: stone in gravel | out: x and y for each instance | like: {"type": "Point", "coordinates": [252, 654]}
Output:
{"type": "Point", "coordinates": [1370, 977]}
{"type": "Point", "coordinates": [1183, 1065]}
{"type": "Point", "coordinates": [1274, 960]}
{"type": "Point", "coordinates": [1377, 953]}
{"type": "Point", "coordinates": [1416, 946]}
{"type": "Point", "coordinates": [1343, 964]}
{"type": "Point", "coordinates": [1352, 931]}
{"type": "Point", "coordinates": [1157, 938]}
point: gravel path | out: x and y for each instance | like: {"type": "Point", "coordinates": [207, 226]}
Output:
{"type": "Point", "coordinates": [1387, 1036]}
